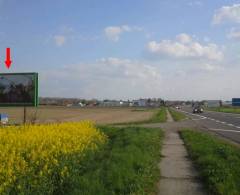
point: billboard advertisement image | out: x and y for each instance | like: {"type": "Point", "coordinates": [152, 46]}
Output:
{"type": "Point", "coordinates": [18, 89]}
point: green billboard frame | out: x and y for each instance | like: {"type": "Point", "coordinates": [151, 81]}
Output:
{"type": "Point", "coordinates": [35, 99]}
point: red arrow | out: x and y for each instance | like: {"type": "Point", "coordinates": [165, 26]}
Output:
{"type": "Point", "coordinates": [8, 61]}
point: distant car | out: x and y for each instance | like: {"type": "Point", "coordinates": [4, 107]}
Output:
{"type": "Point", "coordinates": [198, 109]}
{"type": "Point", "coordinates": [178, 107]}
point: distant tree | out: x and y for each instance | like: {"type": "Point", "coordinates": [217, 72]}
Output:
{"type": "Point", "coordinates": [83, 101]}
{"type": "Point", "coordinates": [162, 102]}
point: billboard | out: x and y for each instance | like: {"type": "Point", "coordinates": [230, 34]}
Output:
{"type": "Point", "coordinates": [18, 89]}
{"type": "Point", "coordinates": [235, 101]}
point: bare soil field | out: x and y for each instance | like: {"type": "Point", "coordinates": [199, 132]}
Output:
{"type": "Point", "coordinates": [51, 114]}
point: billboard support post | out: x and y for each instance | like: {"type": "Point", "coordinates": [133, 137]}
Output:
{"type": "Point", "coordinates": [24, 115]}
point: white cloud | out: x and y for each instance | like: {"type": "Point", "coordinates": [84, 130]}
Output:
{"type": "Point", "coordinates": [185, 47]}
{"type": "Point", "coordinates": [210, 67]}
{"type": "Point", "coordinates": [59, 40]}
{"type": "Point", "coordinates": [65, 33]}
{"type": "Point", "coordinates": [202, 85]}
{"type": "Point", "coordinates": [116, 78]}
{"type": "Point", "coordinates": [104, 78]}
{"type": "Point", "coordinates": [227, 14]}
{"type": "Point", "coordinates": [113, 32]}
{"type": "Point", "coordinates": [234, 34]}
{"type": "Point", "coordinates": [130, 68]}
{"type": "Point", "coordinates": [184, 38]}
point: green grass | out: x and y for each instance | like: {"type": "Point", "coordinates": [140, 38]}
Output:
{"type": "Point", "coordinates": [177, 116]}
{"type": "Point", "coordinates": [159, 116]}
{"type": "Point", "coordinates": [218, 161]}
{"type": "Point", "coordinates": [127, 165]}
{"type": "Point", "coordinates": [226, 109]}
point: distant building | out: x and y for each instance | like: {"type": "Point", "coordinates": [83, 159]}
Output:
{"type": "Point", "coordinates": [58, 101]}
{"type": "Point", "coordinates": [236, 102]}
{"type": "Point", "coordinates": [227, 103]}
{"type": "Point", "coordinates": [113, 103]}
{"type": "Point", "coordinates": [131, 104]}
{"type": "Point", "coordinates": [212, 103]}
{"type": "Point", "coordinates": [173, 103]}
{"type": "Point", "coordinates": [79, 104]}
{"type": "Point", "coordinates": [74, 102]}
{"type": "Point", "coordinates": [154, 102]}
{"type": "Point", "coordinates": [124, 103]}
{"type": "Point", "coordinates": [140, 102]}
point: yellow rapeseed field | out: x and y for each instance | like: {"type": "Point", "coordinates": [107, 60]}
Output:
{"type": "Point", "coordinates": [40, 158]}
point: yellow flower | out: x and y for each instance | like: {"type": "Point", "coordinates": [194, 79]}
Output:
{"type": "Point", "coordinates": [31, 149]}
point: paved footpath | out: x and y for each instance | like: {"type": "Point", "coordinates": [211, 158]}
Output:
{"type": "Point", "coordinates": [178, 176]}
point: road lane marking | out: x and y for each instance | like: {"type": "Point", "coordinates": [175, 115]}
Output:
{"type": "Point", "coordinates": [202, 117]}
{"type": "Point", "coordinates": [224, 113]}
{"type": "Point", "coordinates": [215, 120]}
{"type": "Point", "coordinates": [229, 130]}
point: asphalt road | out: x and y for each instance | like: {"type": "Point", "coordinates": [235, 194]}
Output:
{"type": "Point", "coordinates": [224, 124]}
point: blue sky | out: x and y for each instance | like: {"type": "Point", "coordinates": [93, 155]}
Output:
{"type": "Point", "coordinates": [186, 49]}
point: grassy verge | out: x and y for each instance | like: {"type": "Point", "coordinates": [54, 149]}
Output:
{"type": "Point", "coordinates": [127, 165]}
{"type": "Point", "coordinates": [217, 160]}
{"type": "Point", "coordinates": [177, 116]}
{"type": "Point", "coordinates": [159, 116]}
{"type": "Point", "coordinates": [225, 109]}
